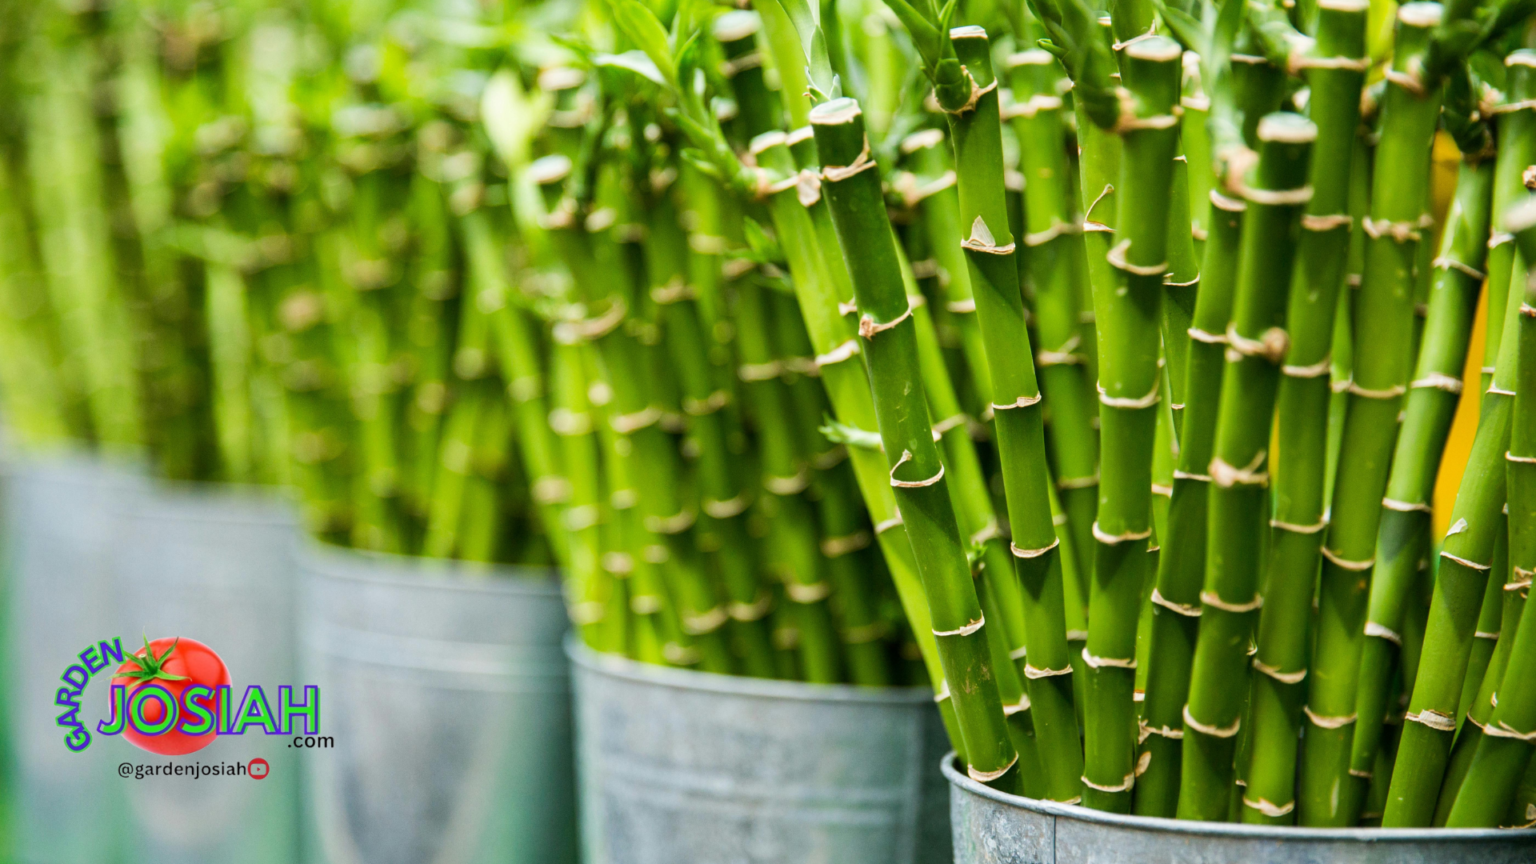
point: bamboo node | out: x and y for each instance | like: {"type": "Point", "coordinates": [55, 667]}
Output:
{"type": "Point", "coordinates": [1212, 731]}
{"type": "Point", "coordinates": [815, 592]}
{"type": "Point", "coordinates": [1325, 722]}
{"type": "Point", "coordinates": [1226, 476]}
{"type": "Point", "coordinates": [1185, 475]}
{"type": "Point", "coordinates": [886, 525]}
{"type": "Point", "coordinates": [752, 372]}
{"type": "Point", "coordinates": [913, 192]}
{"type": "Point", "coordinates": [1406, 506]}
{"type": "Point", "coordinates": [1433, 719]}
{"type": "Point", "coordinates": [1366, 393]}
{"type": "Point", "coordinates": [705, 622]}
{"type": "Point", "coordinates": [592, 329]}
{"type": "Point", "coordinates": [1274, 672]}
{"type": "Point", "coordinates": [1114, 539]}
{"type": "Point", "coordinates": [987, 533]}
{"type": "Point", "coordinates": [1165, 491]}
{"type": "Point", "coordinates": [1020, 706]}
{"type": "Point", "coordinates": [1382, 632]}
{"type": "Point", "coordinates": [846, 351]}
{"type": "Point", "coordinates": [1125, 786]}
{"type": "Point", "coordinates": [1363, 775]}
{"type": "Point", "coordinates": [1034, 673]}
{"type": "Point", "coordinates": [1400, 232]}
{"type": "Point", "coordinates": [1057, 229]}
{"type": "Point", "coordinates": [837, 547]}
{"type": "Point", "coordinates": [1116, 259]}
{"type": "Point", "coordinates": [989, 776]}
{"type": "Point", "coordinates": [1273, 811]}
{"type": "Point", "coordinates": [794, 484]}
{"type": "Point", "coordinates": [753, 611]}
{"type": "Point", "coordinates": [1346, 564]}
{"type": "Point", "coordinates": [1521, 460]}
{"type": "Point", "coordinates": [1032, 553]}
{"type": "Point", "coordinates": [708, 405]}
{"type": "Point", "coordinates": [1062, 356]}
{"type": "Point", "coordinates": [1484, 634]}
{"type": "Point", "coordinates": [1453, 264]}
{"type": "Point", "coordinates": [1021, 402]}
{"type": "Point", "coordinates": [1097, 662]}
{"type": "Point", "coordinates": [839, 173]}
{"type": "Point", "coordinates": [1459, 526]}
{"type": "Point", "coordinates": [718, 509]}
{"type": "Point", "coordinates": [1018, 653]}
{"type": "Point", "coordinates": [1496, 390]}
{"type": "Point", "coordinates": [906, 456]}
{"type": "Point", "coordinates": [961, 307]}
{"type": "Point", "coordinates": [567, 423]}
{"type": "Point", "coordinates": [1271, 344]}
{"type": "Point", "coordinates": [620, 564]}
{"type": "Point", "coordinates": [581, 518]}
{"type": "Point", "coordinates": [1168, 732]}
{"type": "Point", "coordinates": [675, 524]}
{"type": "Point", "coordinates": [645, 604]}
{"type": "Point", "coordinates": [1129, 403]}
{"type": "Point", "coordinates": [1503, 730]}
{"type": "Point", "coordinates": [869, 328]}
{"type": "Point", "coordinates": [675, 291]}
{"type": "Point", "coordinates": [1310, 222]}
{"type": "Point", "coordinates": [1277, 197]}
{"type": "Point", "coordinates": [679, 655]}
{"type": "Point", "coordinates": [1407, 81]}
{"type": "Point", "coordinates": [628, 424]}
{"type": "Point", "coordinates": [981, 240]}
{"type": "Point", "coordinates": [1316, 370]}
{"type": "Point", "coordinates": [1212, 599]}
{"type": "Point", "coordinates": [1199, 335]}
{"type": "Point", "coordinates": [808, 187]}
{"type": "Point", "coordinates": [943, 692]}
{"type": "Point", "coordinates": [977, 92]}
{"type": "Point", "coordinates": [1143, 762]}
{"type": "Point", "coordinates": [1299, 529]}
{"type": "Point", "coordinates": [1465, 563]}
{"type": "Point", "coordinates": [966, 630]}
{"type": "Point", "coordinates": [1077, 482]}
{"type": "Point", "coordinates": [1188, 610]}
{"type": "Point", "coordinates": [1439, 381]}
{"type": "Point", "coordinates": [1107, 190]}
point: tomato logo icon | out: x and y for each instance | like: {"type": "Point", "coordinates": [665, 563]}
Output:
{"type": "Point", "coordinates": [164, 670]}
{"type": "Point", "coordinates": [258, 769]}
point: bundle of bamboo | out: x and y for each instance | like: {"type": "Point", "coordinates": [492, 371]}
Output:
{"type": "Point", "coordinates": [790, 359]}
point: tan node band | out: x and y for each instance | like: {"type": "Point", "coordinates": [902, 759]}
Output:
{"type": "Point", "coordinates": [726, 509]}
{"type": "Point", "coordinates": [812, 593]}
{"type": "Point", "coordinates": [1113, 539]}
{"type": "Point", "coordinates": [1377, 630]}
{"type": "Point", "coordinates": [1226, 476]}
{"type": "Point", "coordinates": [1185, 475]}
{"type": "Point", "coordinates": [1503, 730]}
{"type": "Point", "coordinates": [1326, 223]}
{"type": "Point", "coordinates": [1433, 719]}
{"type": "Point", "coordinates": [1185, 609]}
{"type": "Point", "coordinates": [982, 240]}
{"type": "Point", "coordinates": [1345, 563]}
{"type": "Point", "coordinates": [1212, 731]}
{"type": "Point", "coordinates": [1299, 529]}
{"type": "Point", "coordinates": [705, 622]}
{"type": "Point", "coordinates": [1034, 673]}
{"type": "Point", "coordinates": [1129, 403]}
{"type": "Point", "coordinates": [869, 328]}
{"type": "Point", "coordinates": [1316, 370]}
{"type": "Point", "coordinates": [1406, 506]}
{"type": "Point", "coordinates": [1199, 335]}
{"type": "Point", "coordinates": [753, 611]}
{"type": "Point", "coordinates": [1032, 553]}
{"type": "Point", "coordinates": [1465, 563]}
{"type": "Point", "coordinates": [1278, 197]}
{"type": "Point", "coordinates": [836, 547]}
{"type": "Point", "coordinates": [1212, 599]}
{"type": "Point", "coordinates": [989, 776]}
{"type": "Point", "coordinates": [1283, 677]}
{"type": "Point", "coordinates": [838, 173]}
{"type": "Point", "coordinates": [1273, 811]}
{"type": "Point", "coordinates": [1116, 259]}
{"type": "Point", "coordinates": [1112, 662]}
{"type": "Point", "coordinates": [1453, 264]}
{"type": "Point", "coordinates": [906, 456]}
{"type": "Point", "coordinates": [1324, 722]}
{"type": "Point", "coordinates": [1125, 786]}
{"type": "Point", "coordinates": [846, 351]}
{"type": "Point", "coordinates": [963, 631]}
{"type": "Point", "coordinates": [1021, 402]}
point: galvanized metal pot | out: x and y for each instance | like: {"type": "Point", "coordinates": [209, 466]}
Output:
{"type": "Point", "coordinates": [449, 701]}
{"type": "Point", "coordinates": [58, 547]}
{"type": "Point", "coordinates": [683, 767]}
{"type": "Point", "coordinates": [216, 564]}
{"type": "Point", "coordinates": [996, 828]}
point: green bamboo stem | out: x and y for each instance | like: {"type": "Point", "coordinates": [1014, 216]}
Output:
{"type": "Point", "coordinates": [976, 133]}
{"type": "Point", "coordinates": [1504, 749]}
{"type": "Point", "coordinates": [587, 249]}
{"type": "Point", "coordinates": [1383, 321]}
{"type": "Point", "coordinates": [1303, 400]}
{"type": "Point", "coordinates": [1128, 322]}
{"type": "Point", "coordinates": [857, 208]}
{"type": "Point", "coordinates": [1465, 562]}
{"type": "Point", "coordinates": [230, 355]}
{"type": "Point", "coordinates": [1516, 131]}
{"type": "Point", "coordinates": [819, 275]}
{"type": "Point", "coordinates": [33, 396]}
{"type": "Point", "coordinates": [1431, 404]}
{"type": "Point", "coordinates": [1061, 361]}
{"type": "Point", "coordinates": [1257, 346]}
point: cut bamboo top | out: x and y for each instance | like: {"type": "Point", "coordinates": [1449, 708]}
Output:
{"type": "Point", "coordinates": [1286, 128]}
{"type": "Point", "coordinates": [1421, 14]}
{"type": "Point", "coordinates": [836, 112]}
{"type": "Point", "coordinates": [1154, 49]}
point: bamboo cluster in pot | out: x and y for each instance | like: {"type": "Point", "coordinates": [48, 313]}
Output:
{"type": "Point", "coordinates": [792, 363]}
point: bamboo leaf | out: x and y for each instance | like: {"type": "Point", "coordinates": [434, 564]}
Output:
{"type": "Point", "coordinates": [838, 433]}
{"type": "Point", "coordinates": [512, 117]}
{"type": "Point", "coordinates": [635, 61]}
{"type": "Point", "coordinates": [641, 26]}
{"type": "Point", "coordinates": [806, 18]}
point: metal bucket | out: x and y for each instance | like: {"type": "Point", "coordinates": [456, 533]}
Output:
{"type": "Point", "coordinates": [449, 700]}
{"type": "Point", "coordinates": [683, 767]}
{"type": "Point", "coordinates": [58, 546]}
{"type": "Point", "coordinates": [215, 564]}
{"type": "Point", "coordinates": [996, 828]}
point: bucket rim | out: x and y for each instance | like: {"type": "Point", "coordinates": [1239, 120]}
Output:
{"type": "Point", "coordinates": [414, 571]}
{"type": "Point", "coordinates": [613, 666]}
{"type": "Point", "coordinates": [1229, 830]}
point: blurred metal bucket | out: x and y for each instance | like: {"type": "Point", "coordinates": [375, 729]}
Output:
{"type": "Point", "coordinates": [215, 564]}
{"type": "Point", "coordinates": [58, 546]}
{"type": "Point", "coordinates": [449, 699]}
{"type": "Point", "coordinates": [996, 828]}
{"type": "Point", "coordinates": [682, 767]}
